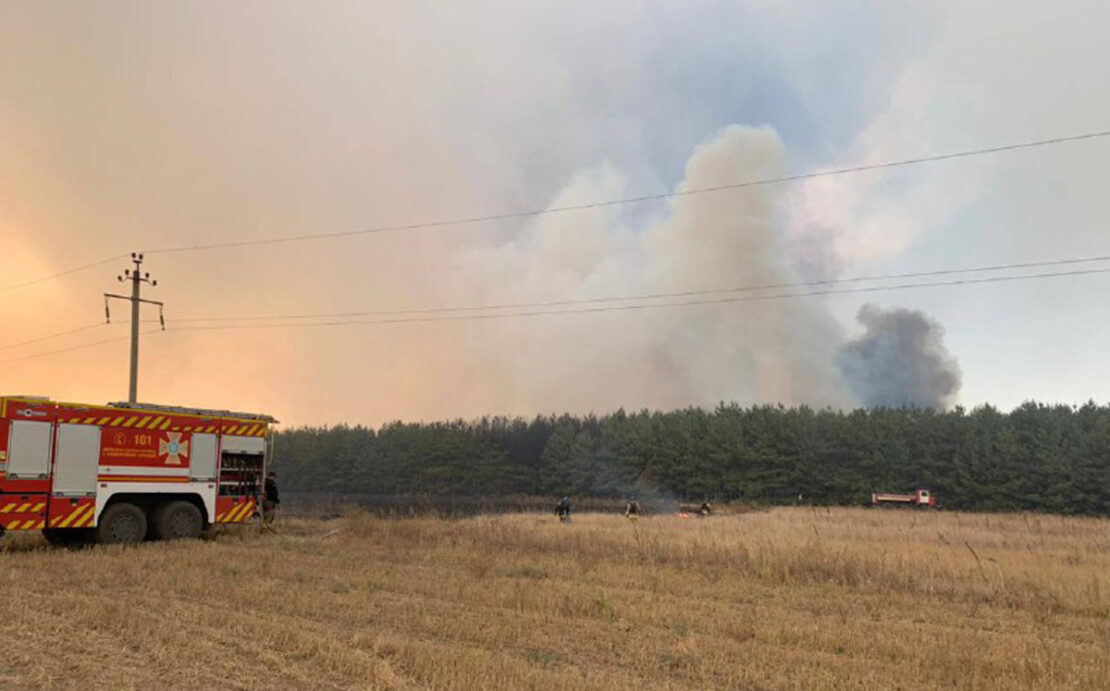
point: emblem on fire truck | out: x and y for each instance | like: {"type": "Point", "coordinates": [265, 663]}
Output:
{"type": "Point", "coordinates": [171, 450]}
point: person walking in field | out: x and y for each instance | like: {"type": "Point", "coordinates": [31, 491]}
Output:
{"type": "Point", "coordinates": [270, 499]}
{"type": "Point", "coordinates": [705, 509]}
{"type": "Point", "coordinates": [562, 510]}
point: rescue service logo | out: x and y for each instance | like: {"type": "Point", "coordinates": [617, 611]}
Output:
{"type": "Point", "coordinates": [145, 448]}
{"type": "Point", "coordinates": [172, 450]}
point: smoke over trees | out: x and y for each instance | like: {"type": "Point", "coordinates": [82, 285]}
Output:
{"type": "Point", "coordinates": [899, 361]}
{"type": "Point", "coordinates": [751, 352]}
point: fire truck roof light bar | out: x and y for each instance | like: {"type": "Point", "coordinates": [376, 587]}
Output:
{"type": "Point", "coordinates": [193, 411]}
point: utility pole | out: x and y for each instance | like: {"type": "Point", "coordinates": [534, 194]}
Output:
{"type": "Point", "coordinates": [137, 278]}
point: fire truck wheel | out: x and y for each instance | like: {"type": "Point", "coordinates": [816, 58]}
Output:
{"type": "Point", "coordinates": [121, 523]}
{"type": "Point", "coordinates": [176, 520]}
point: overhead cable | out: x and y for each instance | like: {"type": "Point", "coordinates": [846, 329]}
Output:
{"type": "Point", "coordinates": [60, 274]}
{"type": "Point", "coordinates": [653, 305]}
{"type": "Point", "coordinates": [65, 350]}
{"type": "Point", "coordinates": [654, 296]}
{"type": "Point", "coordinates": [48, 337]}
{"type": "Point", "coordinates": [633, 200]}
{"type": "Point", "coordinates": [577, 207]}
{"type": "Point", "coordinates": [590, 310]}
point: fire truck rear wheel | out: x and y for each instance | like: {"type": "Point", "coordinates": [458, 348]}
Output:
{"type": "Point", "coordinates": [121, 523]}
{"type": "Point", "coordinates": [176, 520]}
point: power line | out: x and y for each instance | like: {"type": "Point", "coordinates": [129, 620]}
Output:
{"type": "Point", "coordinates": [60, 274]}
{"type": "Point", "coordinates": [578, 207]}
{"type": "Point", "coordinates": [591, 310]}
{"type": "Point", "coordinates": [624, 298]}
{"type": "Point", "coordinates": [48, 337]}
{"type": "Point", "coordinates": [657, 296]}
{"type": "Point", "coordinates": [79, 329]}
{"type": "Point", "coordinates": [72, 348]}
{"type": "Point", "coordinates": [63, 350]}
{"type": "Point", "coordinates": [634, 200]}
{"type": "Point", "coordinates": [656, 305]}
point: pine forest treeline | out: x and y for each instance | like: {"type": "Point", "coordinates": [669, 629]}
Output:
{"type": "Point", "coordinates": [1036, 457]}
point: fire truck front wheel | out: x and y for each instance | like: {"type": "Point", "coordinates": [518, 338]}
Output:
{"type": "Point", "coordinates": [121, 523]}
{"type": "Point", "coordinates": [176, 520]}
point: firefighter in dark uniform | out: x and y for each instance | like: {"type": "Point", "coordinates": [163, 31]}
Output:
{"type": "Point", "coordinates": [270, 498]}
{"type": "Point", "coordinates": [562, 510]}
{"type": "Point", "coordinates": [632, 511]}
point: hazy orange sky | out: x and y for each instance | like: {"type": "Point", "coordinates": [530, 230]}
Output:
{"type": "Point", "coordinates": [136, 126]}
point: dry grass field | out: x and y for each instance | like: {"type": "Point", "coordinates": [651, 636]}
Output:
{"type": "Point", "coordinates": [788, 598]}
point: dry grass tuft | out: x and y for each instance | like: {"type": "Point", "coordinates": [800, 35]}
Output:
{"type": "Point", "coordinates": [790, 598]}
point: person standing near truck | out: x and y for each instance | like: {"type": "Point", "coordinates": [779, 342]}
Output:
{"type": "Point", "coordinates": [270, 498]}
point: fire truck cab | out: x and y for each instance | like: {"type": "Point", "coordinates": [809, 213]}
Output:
{"type": "Point", "coordinates": [122, 473]}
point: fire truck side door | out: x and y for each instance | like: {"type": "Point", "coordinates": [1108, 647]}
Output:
{"type": "Point", "coordinates": [29, 449]}
{"type": "Point", "coordinates": [76, 460]}
{"type": "Point", "coordinates": [202, 460]}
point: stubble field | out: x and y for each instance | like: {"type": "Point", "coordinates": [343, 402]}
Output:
{"type": "Point", "coordinates": [787, 598]}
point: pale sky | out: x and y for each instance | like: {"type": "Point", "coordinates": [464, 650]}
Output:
{"type": "Point", "coordinates": [136, 126]}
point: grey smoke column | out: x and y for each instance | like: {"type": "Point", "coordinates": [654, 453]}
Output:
{"type": "Point", "coordinates": [899, 361]}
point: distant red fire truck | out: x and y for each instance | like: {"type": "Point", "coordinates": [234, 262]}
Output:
{"type": "Point", "coordinates": [922, 498]}
{"type": "Point", "coordinates": [122, 473]}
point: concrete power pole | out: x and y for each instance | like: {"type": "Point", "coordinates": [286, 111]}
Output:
{"type": "Point", "coordinates": [137, 278]}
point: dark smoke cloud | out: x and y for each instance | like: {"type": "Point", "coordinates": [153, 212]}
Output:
{"type": "Point", "coordinates": [899, 361]}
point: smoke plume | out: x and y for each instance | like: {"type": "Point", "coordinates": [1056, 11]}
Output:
{"type": "Point", "coordinates": [900, 360]}
{"type": "Point", "coordinates": [749, 352]}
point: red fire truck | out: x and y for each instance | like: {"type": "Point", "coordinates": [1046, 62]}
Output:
{"type": "Point", "coordinates": [122, 473]}
{"type": "Point", "coordinates": [922, 498]}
